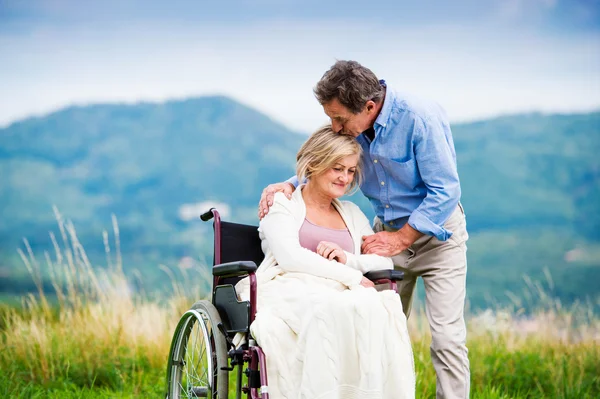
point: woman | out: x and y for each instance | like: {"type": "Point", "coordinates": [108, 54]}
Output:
{"type": "Point", "coordinates": [326, 332]}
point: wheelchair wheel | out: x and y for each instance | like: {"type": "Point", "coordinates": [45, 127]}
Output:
{"type": "Point", "coordinates": [198, 355]}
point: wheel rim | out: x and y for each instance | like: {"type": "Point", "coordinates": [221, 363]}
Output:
{"type": "Point", "coordinates": [193, 370]}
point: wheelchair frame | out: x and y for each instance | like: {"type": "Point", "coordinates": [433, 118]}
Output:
{"type": "Point", "coordinates": [218, 321]}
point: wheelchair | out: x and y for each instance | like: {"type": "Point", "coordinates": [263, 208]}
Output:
{"type": "Point", "coordinates": [202, 354]}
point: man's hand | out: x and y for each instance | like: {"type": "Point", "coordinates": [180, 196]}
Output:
{"type": "Point", "coordinates": [388, 244]}
{"type": "Point", "coordinates": [331, 251]}
{"type": "Point", "coordinates": [266, 199]}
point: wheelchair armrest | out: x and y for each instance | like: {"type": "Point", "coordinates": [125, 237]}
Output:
{"type": "Point", "coordinates": [234, 269]}
{"type": "Point", "coordinates": [394, 275]}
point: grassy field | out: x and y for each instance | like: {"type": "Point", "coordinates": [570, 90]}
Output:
{"type": "Point", "coordinates": [117, 349]}
{"type": "Point", "coordinates": [94, 339]}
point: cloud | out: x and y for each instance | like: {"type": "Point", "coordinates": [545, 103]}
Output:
{"type": "Point", "coordinates": [191, 212]}
{"type": "Point", "coordinates": [550, 15]}
{"type": "Point", "coordinates": [472, 70]}
{"type": "Point", "coordinates": [520, 8]}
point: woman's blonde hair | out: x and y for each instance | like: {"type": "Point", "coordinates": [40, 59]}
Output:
{"type": "Point", "coordinates": [323, 149]}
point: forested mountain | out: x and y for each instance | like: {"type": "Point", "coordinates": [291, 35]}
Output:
{"type": "Point", "coordinates": [530, 187]}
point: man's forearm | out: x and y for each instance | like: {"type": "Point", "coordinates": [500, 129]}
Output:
{"type": "Point", "coordinates": [408, 235]}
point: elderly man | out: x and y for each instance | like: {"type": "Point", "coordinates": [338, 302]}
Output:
{"type": "Point", "coordinates": [411, 179]}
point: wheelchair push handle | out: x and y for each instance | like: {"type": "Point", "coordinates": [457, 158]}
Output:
{"type": "Point", "coordinates": [206, 216]}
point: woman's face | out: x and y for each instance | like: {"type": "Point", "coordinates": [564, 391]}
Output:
{"type": "Point", "coordinates": [334, 181]}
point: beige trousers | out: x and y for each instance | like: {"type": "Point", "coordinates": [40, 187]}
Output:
{"type": "Point", "coordinates": [443, 267]}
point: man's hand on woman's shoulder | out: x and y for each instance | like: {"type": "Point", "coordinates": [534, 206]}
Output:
{"type": "Point", "coordinates": [266, 199]}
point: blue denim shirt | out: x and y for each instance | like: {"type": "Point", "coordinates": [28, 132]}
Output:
{"type": "Point", "coordinates": [409, 169]}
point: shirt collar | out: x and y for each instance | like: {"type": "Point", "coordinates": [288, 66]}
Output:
{"type": "Point", "coordinates": [384, 114]}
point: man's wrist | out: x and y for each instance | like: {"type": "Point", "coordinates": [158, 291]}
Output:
{"type": "Point", "coordinates": [409, 235]}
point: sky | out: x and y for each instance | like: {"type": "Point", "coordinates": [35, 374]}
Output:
{"type": "Point", "coordinates": [478, 59]}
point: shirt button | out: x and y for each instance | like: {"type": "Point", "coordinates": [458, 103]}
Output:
{"type": "Point", "coordinates": [385, 124]}
{"type": "Point", "coordinates": [383, 183]}
{"type": "Point", "coordinates": [375, 161]}
{"type": "Point", "coordinates": [387, 206]}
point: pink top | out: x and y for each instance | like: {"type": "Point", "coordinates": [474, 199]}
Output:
{"type": "Point", "coordinates": [311, 235]}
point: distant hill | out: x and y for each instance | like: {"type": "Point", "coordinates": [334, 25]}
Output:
{"type": "Point", "coordinates": [531, 189]}
{"type": "Point", "coordinates": [140, 162]}
{"type": "Point", "coordinates": [530, 186]}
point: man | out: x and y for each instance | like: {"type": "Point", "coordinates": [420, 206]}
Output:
{"type": "Point", "coordinates": [411, 179]}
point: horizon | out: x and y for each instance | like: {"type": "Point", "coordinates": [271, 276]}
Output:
{"type": "Point", "coordinates": [258, 110]}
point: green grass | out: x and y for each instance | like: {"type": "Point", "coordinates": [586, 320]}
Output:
{"type": "Point", "coordinates": [145, 384]}
{"type": "Point", "coordinates": [95, 339]}
{"type": "Point", "coordinates": [506, 360]}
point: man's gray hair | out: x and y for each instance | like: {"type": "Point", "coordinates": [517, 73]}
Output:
{"type": "Point", "coordinates": [351, 83]}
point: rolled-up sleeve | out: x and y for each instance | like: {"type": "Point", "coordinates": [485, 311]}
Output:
{"type": "Point", "coordinates": [437, 167]}
{"type": "Point", "coordinates": [293, 180]}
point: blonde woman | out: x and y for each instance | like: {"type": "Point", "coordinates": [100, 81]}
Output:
{"type": "Point", "coordinates": [326, 332]}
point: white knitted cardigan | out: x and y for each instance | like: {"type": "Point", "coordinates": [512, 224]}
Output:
{"type": "Point", "coordinates": [279, 231]}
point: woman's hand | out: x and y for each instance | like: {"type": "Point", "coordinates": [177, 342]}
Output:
{"type": "Point", "coordinates": [365, 282]}
{"type": "Point", "coordinates": [331, 251]}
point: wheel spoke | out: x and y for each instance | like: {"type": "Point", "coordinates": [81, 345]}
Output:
{"type": "Point", "coordinates": [197, 355]}
{"type": "Point", "coordinates": [195, 367]}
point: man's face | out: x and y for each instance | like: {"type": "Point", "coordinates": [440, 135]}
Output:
{"type": "Point", "coordinates": [345, 122]}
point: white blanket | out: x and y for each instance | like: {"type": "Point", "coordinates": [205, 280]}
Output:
{"type": "Point", "coordinates": [324, 341]}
